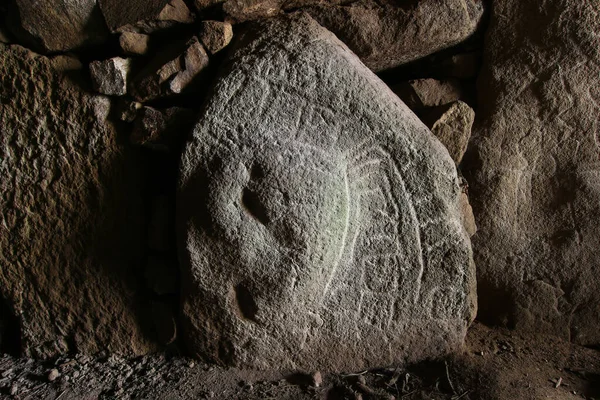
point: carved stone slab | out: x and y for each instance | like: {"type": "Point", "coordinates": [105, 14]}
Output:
{"type": "Point", "coordinates": [318, 217]}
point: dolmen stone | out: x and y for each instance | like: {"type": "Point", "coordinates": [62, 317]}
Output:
{"type": "Point", "coordinates": [318, 218]}
{"type": "Point", "coordinates": [534, 169]}
{"type": "Point", "coordinates": [72, 230]}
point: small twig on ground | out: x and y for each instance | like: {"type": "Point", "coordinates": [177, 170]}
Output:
{"type": "Point", "coordinates": [448, 377]}
{"type": "Point", "coordinates": [462, 395]}
{"type": "Point", "coordinates": [357, 374]}
{"type": "Point", "coordinates": [558, 382]}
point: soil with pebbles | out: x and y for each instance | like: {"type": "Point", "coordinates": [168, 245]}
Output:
{"type": "Point", "coordinates": [496, 364]}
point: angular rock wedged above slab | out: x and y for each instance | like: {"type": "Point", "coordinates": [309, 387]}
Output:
{"type": "Point", "coordinates": [318, 218]}
{"type": "Point", "coordinates": [386, 36]}
{"type": "Point", "coordinates": [534, 169]}
{"type": "Point", "coordinates": [451, 124]}
{"type": "Point", "coordinates": [56, 25]}
{"type": "Point", "coordinates": [422, 93]}
{"type": "Point", "coordinates": [144, 16]}
{"type": "Point", "coordinates": [71, 216]}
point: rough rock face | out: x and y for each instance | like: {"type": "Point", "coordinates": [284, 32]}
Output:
{"type": "Point", "coordinates": [422, 93]}
{"type": "Point", "coordinates": [452, 124]}
{"type": "Point", "coordinates": [56, 25]}
{"type": "Point", "coordinates": [535, 169]}
{"type": "Point", "coordinates": [318, 217]}
{"type": "Point", "coordinates": [110, 76]}
{"type": "Point", "coordinates": [144, 16]}
{"type": "Point", "coordinates": [385, 36]}
{"type": "Point", "coordinates": [71, 232]}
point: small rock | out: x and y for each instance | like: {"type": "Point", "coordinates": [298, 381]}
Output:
{"type": "Point", "coordinates": [144, 16]}
{"type": "Point", "coordinates": [161, 276]}
{"type": "Point", "coordinates": [215, 35]}
{"type": "Point", "coordinates": [246, 10]}
{"type": "Point", "coordinates": [172, 71]}
{"type": "Point", "coordinates": [468, 219]}
{"type": "Point", "coordinates": [14, 389]}
{"type": "Point", "coordinates": [164, 322]}
{"type": "Point", "coordinates": [53, 375]}
{"type": "Point", "coordinates": [160, 129]}
{"type": "Point", "coordinates": [134, 44]}
{"type": "Point", "coordinates": [317, 379]}
{"type": "Point", "coordinates": [421, 93]}
{"type": "Point", "coordinates": [452, 127]}
{"type": "Point", "coordinates": [191, 364]}
{"type": "Point", "coordinates": [110, 76]}
{"type": "Point", "coordinates": [76, 374]}
{"type": "Point", "coordinates": [128, 110]}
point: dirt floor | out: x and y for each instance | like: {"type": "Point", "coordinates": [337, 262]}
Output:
{"type": "Point", "coordinates": [496, 364]}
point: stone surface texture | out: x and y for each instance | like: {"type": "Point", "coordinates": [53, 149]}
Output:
{"type": "Point", "coordinates": [56, 25]}
{"type": "Point", "coordinates": [134, 44]}
{"type": "Point", "coordinates": [452, 124]}
{"type": "Point", "coordinates": [422, 93]}
{"type": "Point", "coordinates": [172, 71]}
{"type": "Point", "coordinates": [110, 76]}
{"type": "Point", "coordinates": [318, 218]}
{"type": "Point", "coordinates": [144, 16]}
{"type": "Point", "coordinates": [215, 35]}
{"type": "Point", "coordinates": [386, 36]}
{"type": "Point", "coordinates": [534, 169]}
{"type": "Point", "coordinates": [71, 226]}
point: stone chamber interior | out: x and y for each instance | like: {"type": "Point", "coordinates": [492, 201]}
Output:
{"type": "Point", "coordinates": [299, 199]}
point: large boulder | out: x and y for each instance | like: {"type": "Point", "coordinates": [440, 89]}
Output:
{"type": "Point", "coordinates": [71, 228]}
{"type": "Point", "coordinates": [386, 35]}
{"type": "Point", "coordinates": [56, 25]}
{"type": "Point", "coordinates": [318, 217]}
{"type": "Point", "coordinates": [535, 169]}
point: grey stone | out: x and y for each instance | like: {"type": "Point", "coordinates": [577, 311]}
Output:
{"type": "Point", "coordinates": [318, 218]}
{"type": "Point", "coordinates": [71, 216]}
{"type": "Point", "coordinates": [423, 93]}
{"type": "Point", "coordinates": [174, 70]}
{"type": "Point", "coordinates": [144, 16]}
{"type": "Point", "coordinates": [215, 35]}
{"type": "Point", "coordinates": [134, 44]}
{"type": "Point", "coordinates": [110, 76]}
{"type": "Point", "coordinates": [452, 124]}
{"type": "Point", "coordinates": [53, 375]}
{"type": "Point", "coordinates": [56, 25]}
{"type": "Point", "coordinates": [386, 36]}
{"type": "Point", "coordinates": [534, 170]}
